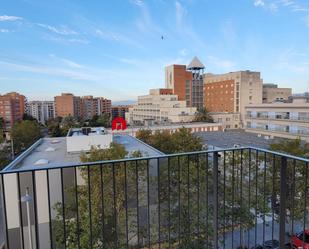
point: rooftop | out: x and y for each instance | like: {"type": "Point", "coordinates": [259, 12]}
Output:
{"type": "Point", "coordinates": [195, 64]}
{"type": "Point", "coordinates": [231, 138]}
{"type": "Point", "coordinates": [52, 152]}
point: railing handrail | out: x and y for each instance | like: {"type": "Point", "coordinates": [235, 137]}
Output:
{"type": "Point", "coordinates": [8, 171]}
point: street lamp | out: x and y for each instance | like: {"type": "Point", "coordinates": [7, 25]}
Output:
{"type": "Point", "coordinates": [27, 199]}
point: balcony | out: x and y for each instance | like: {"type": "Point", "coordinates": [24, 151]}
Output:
{"type": "Point", "coordinates": [209, 199]}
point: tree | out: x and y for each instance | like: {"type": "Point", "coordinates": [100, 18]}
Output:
{"type": "Point", "coordinates": [53, 126]}
{"type": "Point", "coordinates": [28, 117]}
{"type": "Point", "coordinates": [203, 115]}
{"type": "Point", "coordinates": [5, 154]}
{"type": "Point", "coordinates": [104, 120]}
{"type": "Point", "coordinates": [1, 130]}
{"type": "Point", "coordinates": [145, 135]}
{"type": "Point", "coordinates": [292, 147]}
{"type": "Point", "coordinates": [184, 141]}
{"type": "Point", "coordinates": [70, 122]}
{"type": "Point", "coordinates": [24, 134]}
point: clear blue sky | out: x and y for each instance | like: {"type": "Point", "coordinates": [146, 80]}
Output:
{"type": "Point", "coordinates": [114, 48]}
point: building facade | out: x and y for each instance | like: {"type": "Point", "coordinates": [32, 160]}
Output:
{"type": "Point", "coordinates": [42, 111]}
{"type": "Point", "coordinates": [86, 107]}
{"type": "Point", "coordinates": [186, 82]}
{"type": "Point", "coordinates": [120, 111]}
{"type": "Point", "coordinates": [12, 108]}
{"type": "Point", "coordinates": [160, 107]}
{"type": "Point", "coordinates": [228, 120]}
{"type": "Point", "coordinates": [287, 120]}
{"type": "Point", "coordinates": [273, 93]}
{"type": "Point", "coordinates": [231, 92]}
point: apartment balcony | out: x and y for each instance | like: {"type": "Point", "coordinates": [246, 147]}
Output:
{"type": "Point", "coordinates": [209, 199]}
{"type": "Point", "coordinates": [277, 117]}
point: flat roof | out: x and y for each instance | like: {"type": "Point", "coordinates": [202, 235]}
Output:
{"type": "Point", "coordinates": [54, 150]}
{"type": "Point", "coordinates": [229, 138]}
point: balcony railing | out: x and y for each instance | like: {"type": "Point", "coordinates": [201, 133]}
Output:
{"type": "Point", "coordinates": [210, 199]}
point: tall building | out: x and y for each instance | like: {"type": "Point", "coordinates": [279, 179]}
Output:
{"type": "Point", "coordinates": [197, 96]}
{"type": "Point", "coordinates": [231, 92]}
{"type": "Point", "coordinates": [104, 105]}
{"type": "Point", "coordinates": [67, 105]}
{"type": "Point", "coordinates": [86, 107]}
{"type": "Point", "coordinates": [160, 106]}
{"type": "Point", "coordinates": [273, 93]}
{"type": "Point", "coordinates": [12, 108]}
{"type": "Point", "coordinates": [42, 111]}
{"type": "Point", "coordinates": [120, 111]}
{"type": "Point", "coordinates": [179, 80]}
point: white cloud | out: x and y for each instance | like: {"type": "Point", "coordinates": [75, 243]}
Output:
{"type": "Point", "coordinates": [4, 31]}
{"type": "Point", "coordinates": [180, 12]}
{"type": "Point", "coordinates": [66, 62]}
{"type": "Point", "coordinates": [137, 2]}
{"type": "Point", "coordinates": [259, 3]}
{"type": "Point", "coordinates": [9, 18]}
{"type": "Point", "coordinates": [62, 30]}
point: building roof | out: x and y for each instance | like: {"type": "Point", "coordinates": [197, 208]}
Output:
{"type": "Point", "coordinates": [231, 138]}
{"type": "Point", "coordinates": [52, 152]}
{"type": "Point", "coordinates": [195, 64]}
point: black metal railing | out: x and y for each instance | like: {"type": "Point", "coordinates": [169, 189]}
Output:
{"type": "Point", "coordinates": [209, 199]}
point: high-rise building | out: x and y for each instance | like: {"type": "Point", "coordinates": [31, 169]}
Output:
{"type": "Point", "coordinates": [186, 82]}
{"type": "Point", "coordinates": [120, 111]}
{"type": "Point", "coordinates": [231, 92]}
{"type": "Point", "coordinates": [273, 93]}
{"type": "Point", "coordinates": [12, 108]}
{"type": "Point", "coordinates": [42, 111]}
{"type": "Point", "coordinates": [197, 85]}
{"type": "Point", "coordinates": [67, 105]}
{"type": "Point", "coordinates": [86, 107]}
{"type": "Point", "coordinates": [104, 105]}
{"type": "Point", "coordinates": [160, 106]}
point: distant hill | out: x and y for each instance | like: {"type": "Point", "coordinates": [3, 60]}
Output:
{"type": "Point", "coordinates": [123, 102]}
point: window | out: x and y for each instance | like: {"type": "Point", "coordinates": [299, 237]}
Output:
{"type": "Point", "coordinates": [250, 97]}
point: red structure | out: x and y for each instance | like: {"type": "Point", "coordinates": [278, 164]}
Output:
{"type": "Point", "coordinates": [119, 124]}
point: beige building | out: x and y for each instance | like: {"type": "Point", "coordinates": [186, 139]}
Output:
{"type": "Point", "coordinates": [160, 106]}
{"type": "Point", "coordinates": [228, 120]}
{"type": "Point", "coordinates": [273, 93]}
{"type": "Point", "coordinates": [231, 92]}
{"type": "Point", "coordinates": [287, 120]}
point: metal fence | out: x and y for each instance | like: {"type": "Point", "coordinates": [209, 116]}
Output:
{"type": "Point", "coordinates": [209, 199]}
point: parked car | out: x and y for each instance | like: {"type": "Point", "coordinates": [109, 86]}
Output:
{"type": "Point", "coordinates": [271, 244]}
{"type": "Point", "coordinates": [300, 239]}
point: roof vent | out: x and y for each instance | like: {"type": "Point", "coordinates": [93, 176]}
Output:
{"type": "Point", "coordinates": [41, 162]}
{"type": "Point", "coordinates": [55, 141]}
{"type": "Point", "coordinates": [50, 149]}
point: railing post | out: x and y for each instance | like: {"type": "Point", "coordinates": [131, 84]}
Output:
{"type": "Point", "coordinates": [283, 191]}
{"type": "Point", "coordinates": [215, 199]}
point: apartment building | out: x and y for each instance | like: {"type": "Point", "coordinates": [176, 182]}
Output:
{"type": "Point", "coordinates": [160, 106]}
{"type": "Point", "coordinates": [120, 111]}
{"type": "Point", "coordinates": [287, 120]}
{"type": "Point", "coordinates": [186, 82]}
{"type": "Point", "coordinates": [67, 105]}
{"type": "Point", "coordinates": [86, 107]}
{"type": "Point", "coordinates": [273, 93]}
{"type": "Point", "coordinates": [228, 120]}
{"type": "Point", "coordinates": [42, 111]}
{"type": "Point", "coordinates": [12, 108]}
{"type": "Point", "coordinates": [232, 92]}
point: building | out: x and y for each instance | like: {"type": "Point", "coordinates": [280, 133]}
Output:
{"type": "Point", "coordinates": [120, 111]}
{"type": "Point", "coordinates": [42, 111]}
{"type": "Point", "coordinates": [67, 105]}
{"type": "Point", "coordinates": [86, 107]}
{"type": "Point", "coordinates": [12, 108]}
{"type": "Point", "coordinates": [160, 106]}
{"type": "Point", "coordinates": [287, 120]}
{"type": "Point", "coordinates": [197, 95]}
{"type": "Point", "coordinates": [186, 82]}
{"type": "Point", "coordinates": [228, 120]}
{"type": "Point", "coordinates": [104, 105]}
{"type": "Point", "coordinates": [231, 92]}
{"type": "Point", "coordinates": [271, 93]}
{"type": "Point", "coordinates": [194, 127]}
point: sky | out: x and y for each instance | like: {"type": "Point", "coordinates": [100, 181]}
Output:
{"type": "Point", "coordinates": [115, 48]}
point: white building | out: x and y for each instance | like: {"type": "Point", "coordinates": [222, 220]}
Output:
{"type": "Point", "coordinates": [41, 110]}
{"type": "Point", "coordinates": [287, 120]}
{"type": "Point", "coordinates": [160, 106]}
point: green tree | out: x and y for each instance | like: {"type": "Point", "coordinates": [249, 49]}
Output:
{"type": "Point", "coordinates": [184, 141]}
{"type": "Point", "coordinates": [24, 134]}
{"type": "Point", "coordinates": [53, 126]}
{"type": "Point", "coordinates": [104, 120]}
{"type": "Point", "coordinates": [292, 147]}
{"type": "Point", "coordinates": [1, 130]}
{"type": "Point", "coordinates": [70, 122]}
{"type": "Point", "coordinates": [203, 115]}
{"type": "Point", "coordinates": [145, 135]}
{"type": "Point", "coordinates": [5, 155]}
